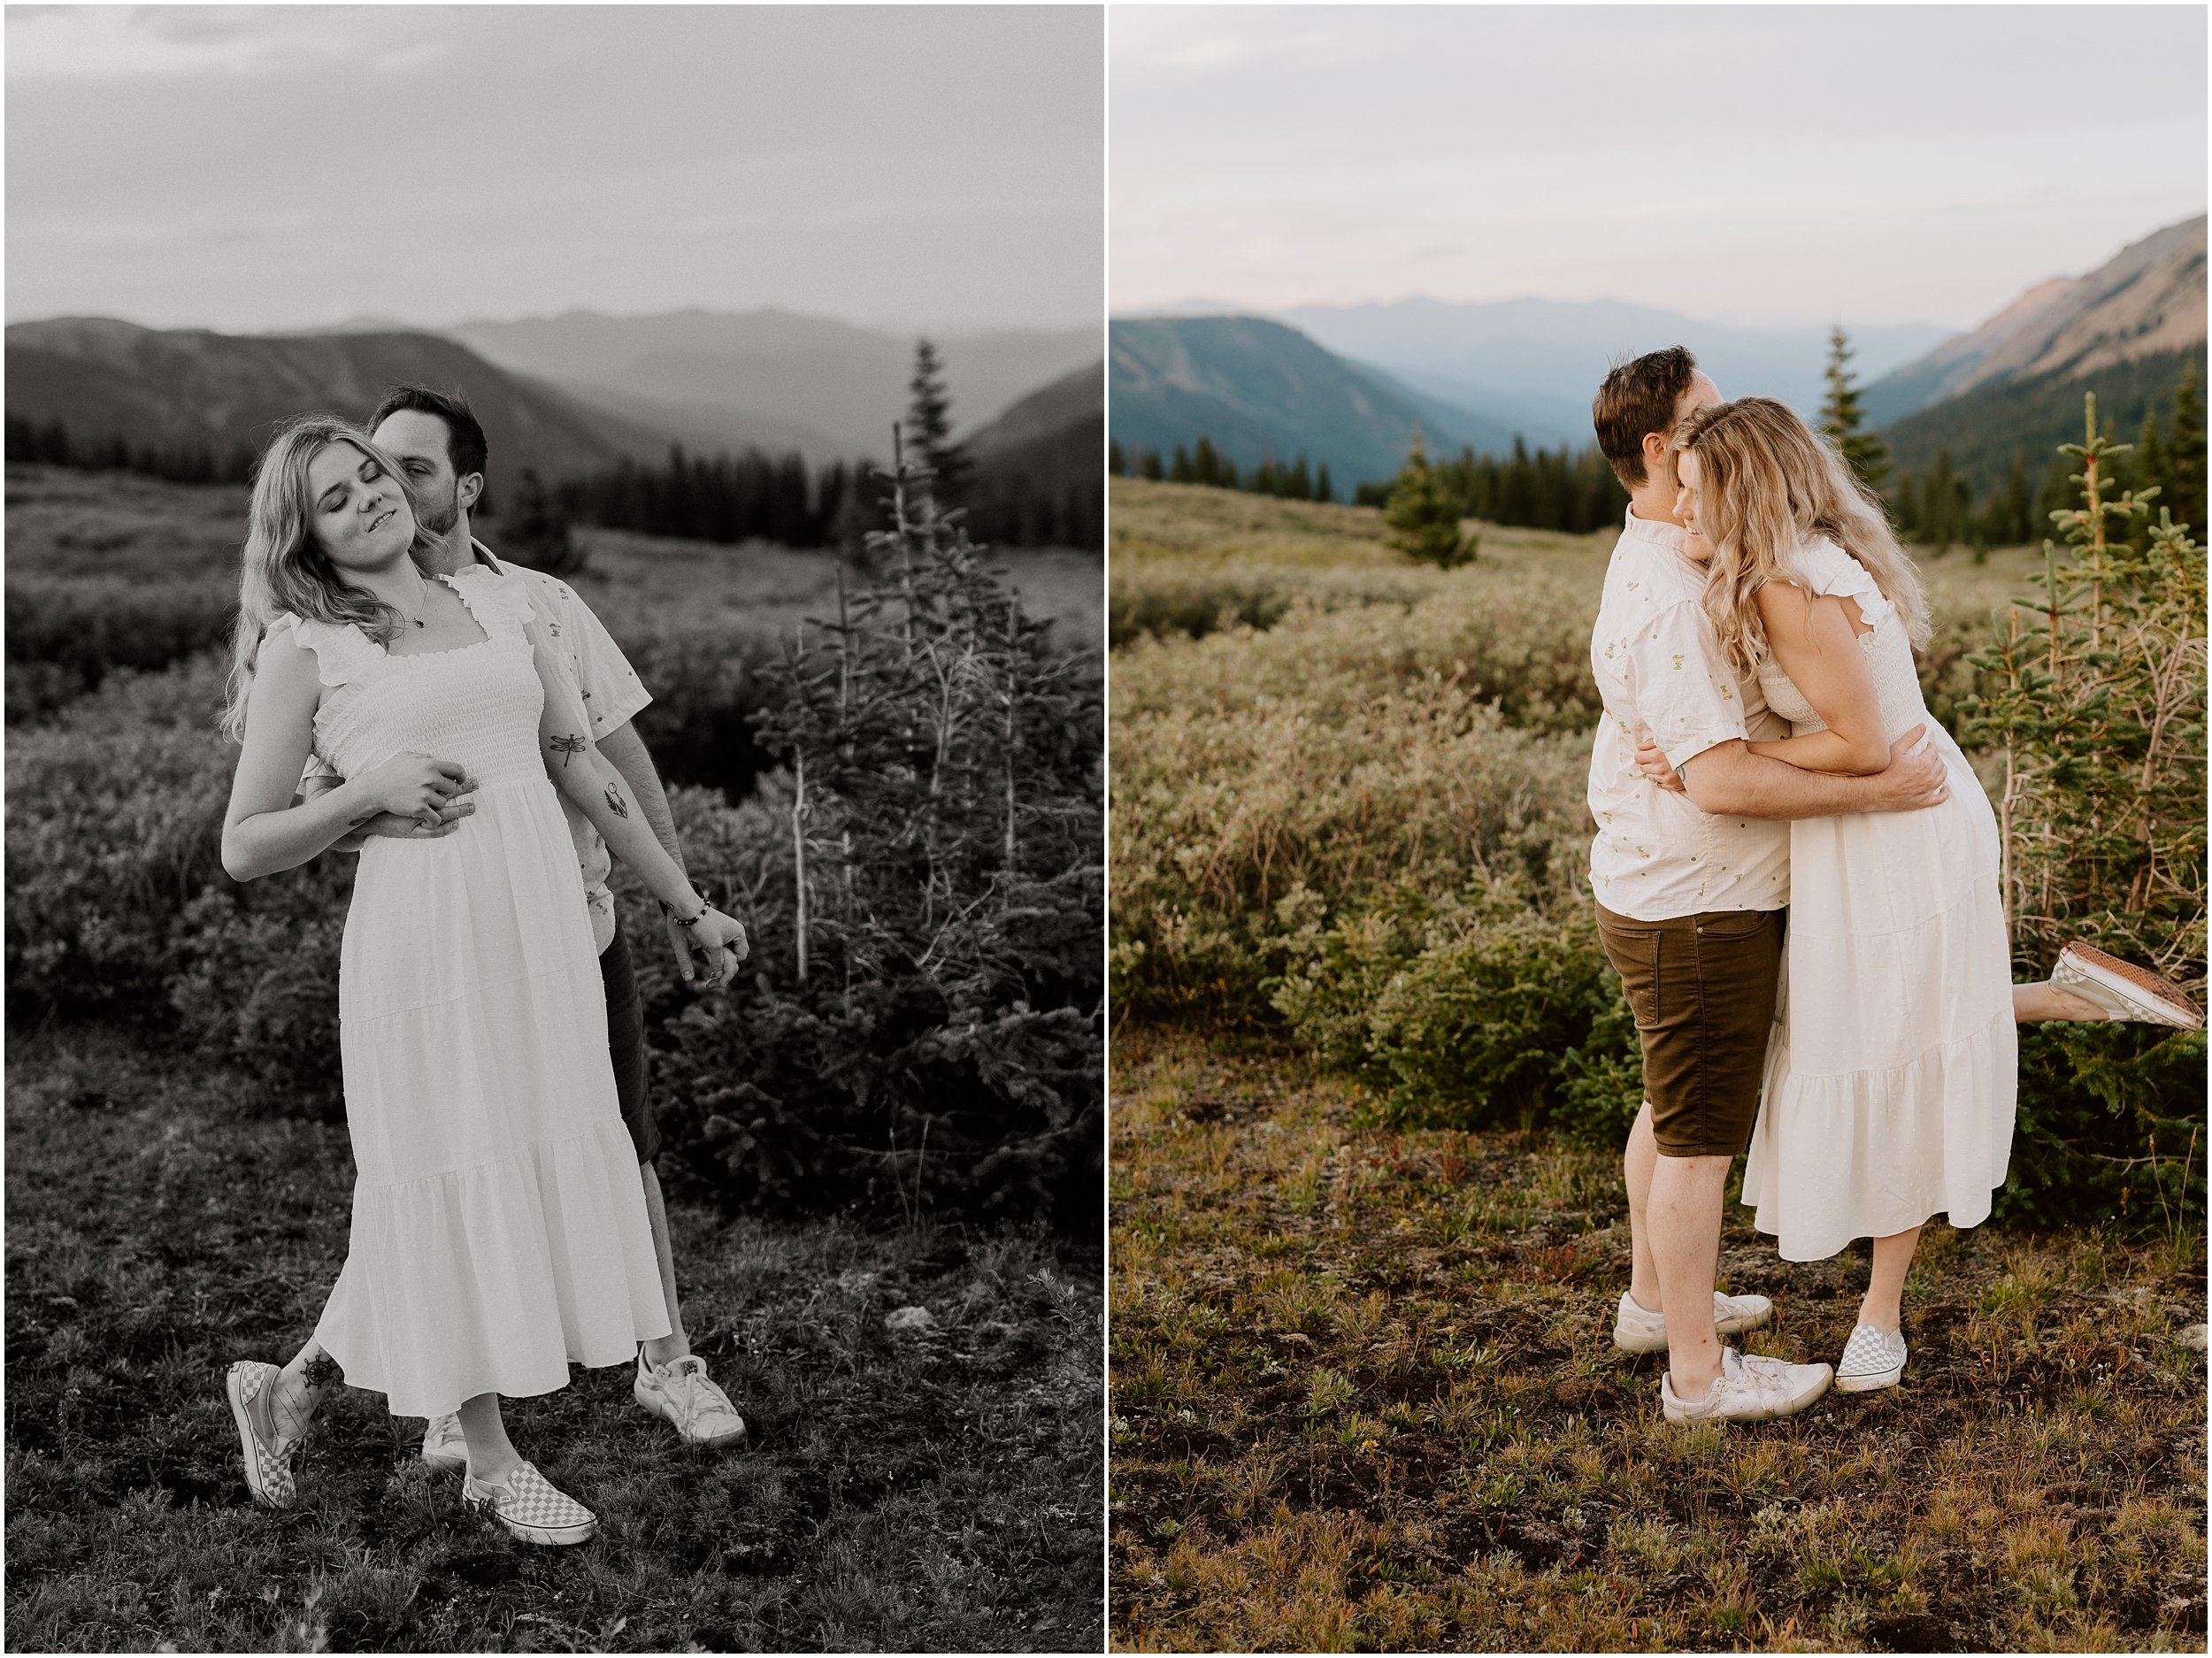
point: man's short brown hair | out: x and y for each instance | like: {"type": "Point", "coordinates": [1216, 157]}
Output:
{"type": "Point", "coordinates": [1639, 396]}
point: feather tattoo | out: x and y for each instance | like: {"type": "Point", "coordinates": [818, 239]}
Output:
{"type": "Point", "coordinates": [614, 801]}
{"type": "Point", "coordinates": [567, 746]}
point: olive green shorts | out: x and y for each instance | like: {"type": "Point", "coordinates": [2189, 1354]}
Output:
{"type": "Point", "coordinates": [1702, 989]}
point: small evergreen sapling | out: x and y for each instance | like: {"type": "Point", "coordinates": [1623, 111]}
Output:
{"type": "Point", "coordinates": [1423, 515]}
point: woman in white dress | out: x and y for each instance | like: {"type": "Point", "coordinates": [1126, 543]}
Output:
{"type": "Point", "coordinates": [499, 1227]}
{"type": "Point", "coordinates": [1891, 1077]}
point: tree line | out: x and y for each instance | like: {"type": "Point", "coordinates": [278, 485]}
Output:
{"type": "Point", "coordinates": [723, 498]}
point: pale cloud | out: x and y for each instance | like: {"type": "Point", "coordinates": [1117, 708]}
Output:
{"type": "Point", "coordinates": [1774, 163]}
{"type": "Point", "coordinates": [288, 166]}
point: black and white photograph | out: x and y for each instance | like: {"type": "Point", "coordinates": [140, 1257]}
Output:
{"type": "Point", "coordinates": [555, 817]}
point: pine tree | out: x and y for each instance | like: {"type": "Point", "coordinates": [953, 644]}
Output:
{"type": "Point", "coordinates": [535, 532]}
{"type": "Point", "coordinates": [2097, 708]}
{"type": "Point", "coordinates": [2185, 462]}
{"type": "Point", "coordinates": [1116, 463]}
{"type": "Point", "coordinates": [1322, 489]}
{"type": "Point", "coordinates": [1423, 516]}
{"type": "Point", "coordinates": [1840, 419]}
{"type": "Point", "coordinates": [929, 429]}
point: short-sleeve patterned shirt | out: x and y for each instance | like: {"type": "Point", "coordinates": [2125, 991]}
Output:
{"type": "Point", "coordinates": [610, 693]}
{"type": "Point", "coordinates": [1660, 669]}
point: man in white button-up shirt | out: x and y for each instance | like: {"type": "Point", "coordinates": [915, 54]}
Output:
{"type": "Point", "coordinates": [1691, 888]}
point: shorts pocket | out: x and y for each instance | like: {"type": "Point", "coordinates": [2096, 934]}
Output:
{"type": "Point", "coordinates": [1634, 952]}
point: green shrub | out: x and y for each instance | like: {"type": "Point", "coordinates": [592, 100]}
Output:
{"type": "Point", "coordinates": [118, 907]}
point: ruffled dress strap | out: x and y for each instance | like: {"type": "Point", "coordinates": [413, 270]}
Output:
{"type": "Point", "coordinates": [343, 654]}
{"type": "Point", "coordinates": [1824, 568]}
{"type": "Point", "coordinates": [498, 599]}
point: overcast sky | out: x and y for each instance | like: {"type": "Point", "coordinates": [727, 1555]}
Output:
{"type": "Point", "coordinates": [1769, 164]}
{"type": "Point", "coordinates": [268, 167]}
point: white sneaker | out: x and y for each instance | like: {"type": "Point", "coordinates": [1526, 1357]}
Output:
{"type": "Point", "coordinates": [442, 1444]}
{"type": "Point", "coordinates": [680, 1392]}
{"type": "Point", "coordinates": [1871, 1360]}
{"type": "Point", "coordinates": [1754, 1389]}
{"type": "Point", "coordinates": [531, 1507]}
{"type": "Point", "coordinates": [1637, 1329]}
{"type": "Point", "coordinates": [2123, 990]}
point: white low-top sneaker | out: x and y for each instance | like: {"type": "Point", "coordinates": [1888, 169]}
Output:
{"type": "Point", "coordinates": [1872, 1359]}
{"type": "Point", "coordinates": [680, 1391]}
{"type": "Point", "coordinates": [1748, 1389]}
{"type": "Point", "coordinates": [443, 1445]}
{"type": "Point", "coordinates": [250, 1386]}
{"type": "Point", "coordinates": [531, 1507]}
{"type": "Point", "coordinates": [1637, 1329]}
{"type": "Point", "coordinates": [2123, 990]}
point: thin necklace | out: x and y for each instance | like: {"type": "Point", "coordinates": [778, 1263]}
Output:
{"type": "Point", "coordinates": [418, 620]}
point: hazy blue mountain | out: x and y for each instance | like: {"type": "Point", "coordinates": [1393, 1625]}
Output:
{"type": "Point", "coordinates": [1040, 466]}
{"type": "Point", "coordinates": [2147, 300]}
{"type": "Point", "coordinates": [847, 383]}
{"type": "Point", "coordinates": [163, 387]}
{"type": "Point", "coordinates": [1259, 389]}
{"type": "Point", "coordinates": [1525, 363]}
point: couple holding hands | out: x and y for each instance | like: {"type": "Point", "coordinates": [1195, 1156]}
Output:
{"type": "Point", "coordinates": [1765, 755]}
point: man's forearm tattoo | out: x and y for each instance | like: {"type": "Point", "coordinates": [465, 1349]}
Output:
{"type": "Point", "coordinates": [614, 802]}
{"type": "Point", "coordinates": [567, 748]}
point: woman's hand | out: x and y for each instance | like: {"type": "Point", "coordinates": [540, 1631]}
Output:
{"type": "Point", "coordinates": [1651, 760]}
{"type": "Point", "coordinates": [418, 786]}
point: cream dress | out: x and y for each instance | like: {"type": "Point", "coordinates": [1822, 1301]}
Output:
{"type": "Point", "coordinates": [499, 1225]}
{"type": "Point", "coordinates": [1893, 1076]}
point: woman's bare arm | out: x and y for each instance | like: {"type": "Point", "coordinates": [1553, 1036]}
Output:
{"type": "Point", "coordinates": [1817, 646]}
{"type": "Point", "coordinates": [263, 833]}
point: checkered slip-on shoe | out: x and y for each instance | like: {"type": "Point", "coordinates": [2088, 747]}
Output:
{"type": "Point", "coordinates": [528, 1506]}
{"type": "Point", "coordinates": [2123, 990]}
{"type": "Point", "coordinates": [1872, 1359]}
{"type": "Point", "coordinates": [702, 1412]}
{"type": "Point", "coordinates": [1637, 1329]}
{"type": "Point", "coordinates": [268, 1467]}
{"type": "Point", "coordinates": [443, 1445]}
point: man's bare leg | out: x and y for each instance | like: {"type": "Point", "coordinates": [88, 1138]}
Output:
{"type": "Point", "coordinates": [675, 1345]}
{"type": "Point", "coordinates": [1636, 1166]}
{"type": "Point", "coordinates": [1684, 1210]}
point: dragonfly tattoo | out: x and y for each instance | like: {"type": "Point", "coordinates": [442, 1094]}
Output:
{"type": "Point", "coordinates": [566, 747]}
{"type": "Point", "coordinates": [614, 802]}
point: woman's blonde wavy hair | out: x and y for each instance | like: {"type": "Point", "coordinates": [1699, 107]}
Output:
{"type": "Point", "coordinates": [1767, 484]}
{"type": "Point", "coordinates": [284, 568]}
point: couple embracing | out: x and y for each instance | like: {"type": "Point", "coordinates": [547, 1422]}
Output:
{"type": "Point", "coordinates": [1797, 878]}
{"type": "Point", "coordinates": [464, 726]}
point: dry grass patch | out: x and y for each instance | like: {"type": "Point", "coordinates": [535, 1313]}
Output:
{"type": "Point", "coordinates": [1364, 1397]}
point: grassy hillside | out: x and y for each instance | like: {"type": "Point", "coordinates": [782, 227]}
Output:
{"type": "Point", "coordinates": [1984, 429]}
{"type": "Point", "coordinates": [1258, 389]}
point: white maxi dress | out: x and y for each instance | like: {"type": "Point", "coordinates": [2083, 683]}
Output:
{"type": "Point", "coordinates": [1893, 1075]}
{"type": "Point", "coordinates": [499, 1225]}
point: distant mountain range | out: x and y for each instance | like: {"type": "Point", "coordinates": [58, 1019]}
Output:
{"type": "Point", "coordinates": [2129, 331]}
{"type": "Point", "coordinates": [1348, 384]}
{"type": "Point", "coordinates": [1532, 365]}
{"type": "Point", "coordinates": [1259, 389]}
{"type": "Point", "coordinates": [840, 385]}
{"type": "Point", "coordinates": [165, 387]}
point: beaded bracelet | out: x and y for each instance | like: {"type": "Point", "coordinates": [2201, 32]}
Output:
{"type": "Point", "coordinates": [668, 910]}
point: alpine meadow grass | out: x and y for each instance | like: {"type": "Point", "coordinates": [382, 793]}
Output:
{"type": "Point", "coordinates": [1371, 1078]}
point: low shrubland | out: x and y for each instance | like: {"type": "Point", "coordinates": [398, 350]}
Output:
{"type": "Point", "coordinates": [1353, 813]}
{"type": "Point", "coordinates": [942, 1056]}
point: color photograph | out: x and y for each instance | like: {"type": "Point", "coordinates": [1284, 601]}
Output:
{"type": "Point", "coordinates": [555, 828]}
{"type": "Point", "coordinates": [1656, 602]}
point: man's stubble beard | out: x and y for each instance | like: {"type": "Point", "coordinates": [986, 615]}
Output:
{"type": "Point", "coordinates": [440, 520]}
